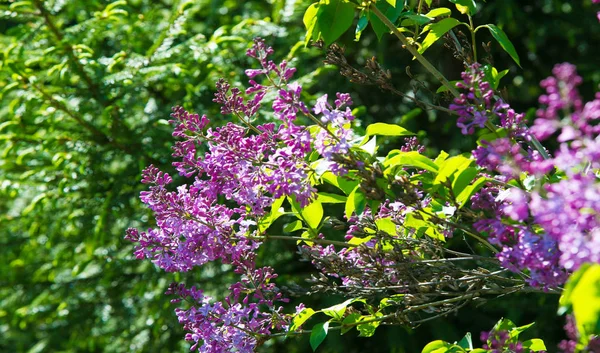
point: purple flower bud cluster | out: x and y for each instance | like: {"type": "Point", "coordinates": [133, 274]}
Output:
{"type": "Point", "coordinates": [480, 104]}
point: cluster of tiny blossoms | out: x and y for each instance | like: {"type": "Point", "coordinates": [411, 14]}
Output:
{"type": "Point", "coordinates": [554, 227]}
{"type": "Point", "coordinates": [498, 341]}
{"type": "Point", "coordinates": [249, 166]}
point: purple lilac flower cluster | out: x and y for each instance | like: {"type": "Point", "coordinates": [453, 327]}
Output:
{"type": "Point", "coordinates": [570, 345]}
{"type": "Point", "coordinates": [498, 341]}
{"type": "Point", "coordinates": [249, 166]}
{"type": "Point", "coordinates": [555, 227]}
{"type": "Point", "coordinates": [480, 104]}
{"type": "Point", "coordinates": [335, 134]}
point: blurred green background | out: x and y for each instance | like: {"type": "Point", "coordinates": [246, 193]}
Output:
{"type": "Point", "coordinates": [86, 89]}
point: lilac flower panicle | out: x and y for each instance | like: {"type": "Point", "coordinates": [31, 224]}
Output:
{"type": "Point", "coordinates": [334, 137]}
{"type": "Point", "coordinates": [479, 104]}
{"type": "Point", "coordinates": [250, 167]}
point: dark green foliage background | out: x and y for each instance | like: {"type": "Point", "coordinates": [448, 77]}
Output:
{"type": "Point", "coordinates": [85, 96]}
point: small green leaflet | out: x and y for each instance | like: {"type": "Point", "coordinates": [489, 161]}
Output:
{"type": "Point", "coordinates": [368, 329]}
{"type": "Point", "coordinates": [466, 341]}
{"type": "Point", "coordinates": [325, 197]}
{"type": "Point", "coordinates": [356, 202]}
{"type": "Point", "coordinates": [301, 318]}
{"type": "Point", "coordinates": [292, 227]}
{"type": "Point", "coordinates": [337, 311]}
{"type": "Point", "coordinates": [466, 194]}
{"type": "Point", "coordinates": [383, 129]}
{"type": "Point", "coordinates": [436, 31]}
{"type": "Point", "coordinates": [450, 167]}
{"type": "Point", "coordinates": [465, 6]}
{"type": "Point", "coordinates": [362, 23]}
{"type": "Point", "coordinates": [504, 42]}
{"type": "Point", "coordinates": [535, 345]}
{"type": "Point", "coordinates": [386, 225]}
{"type": "Point", "coordinates": [318, 334]}
{"type": "Point", "coordinates": [439, 12]}
{"type": "Point", "coordinates": [412, 159]}
{"type": "Point", "coordinates": [582, 293]}
{"type": "Point", "coordinates": [440, 346]}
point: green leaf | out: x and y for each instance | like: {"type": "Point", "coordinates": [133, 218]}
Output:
{"type": "Point", "coordinates": [347, 323]}
{"type": "Point", "coordinates": [318, 334]}
{"type": "Point", "coordinates": [585, 300]}
{"type": "Point", "coordinates": [440, 346]}
{"type": "Point", "coordinates": [357, 241]}
{"type": "Point", "coordinates": [504, 325]}
{"type": "Point", "coordinates": [386, 225]}
{"type": "Point", "coordinates": [310, 22]}
{"type": "Point", "coordinates": [383, 129]}
{"type": "Point", "coordinates": [335, 17]}
{"type": "Point", "coordinates": [410, 159]}
{"type": "Point", "coordinates": [292, 227]}
{"type": "Point", "coordinates": [356, 202]}
{"type": "Point", "coordinates": [313, 214]}
{"type": "Point", "coordinates": [275, 213]}
{"type": "Point", "coordinates": [466, 341]}
{"type": "Point", "coordinates": [515, 332]}
{"type": "Point", "coordinates": [565, 300]}
{"type": "Point", "coordinates": [466, 194]}
{"type": "Point", "coordinates": [436, 31]}
{"type": "Point", "coordinates": [301, 318]}
{"type": "Point", "coordinates": [439, 12]}
{"type": "Point", "coordinates": [414, 19]}
{"type": "Point", "coordinates": [450, 166]}
{"type": "Point", "coordinates": [324, 197]}
{"type": "Point", "coordinates": [534, 345]}
{"type": "Point", "coordinates": [422, 227]}
{"type": "Point", "coordinates": [391, 2]}
{"type": "Point", "coordinates": [465, 6]}
{"type": "Point", "coordinates": [368, 329]}
{"type": "Point", "coordinates": [443, 88]}
{"type": "Point", "coordinates": [392, 14]}
{"type": "Point", "coordinates": [341, 182]}
{"type": "Point", "coordinates": [493, 76]}
{"type": "Point", "coordinates": [463, 179]}
{"type": "Point", "coordinates": [337, 311]}
{"type": "Point", "coordinates": [371, 146]}
{"type": "Point", "coordinates": [362, 23]}
{"type": "Point", "coordinates": [504, 42]}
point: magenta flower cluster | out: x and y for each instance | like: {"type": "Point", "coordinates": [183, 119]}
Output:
{"type": "Point", "coordinates": [479, 104]}
{"type": "Point", "coordinates": [236, 172]}
{"type": "Point", "coordinates": [553, 228]}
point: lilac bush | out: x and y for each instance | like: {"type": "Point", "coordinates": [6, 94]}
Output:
{"type": "Point", "coordinates": [528, 210]}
